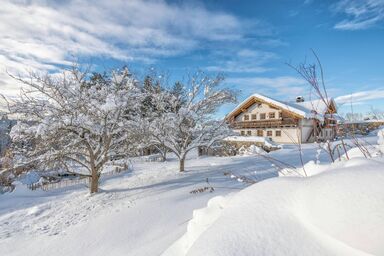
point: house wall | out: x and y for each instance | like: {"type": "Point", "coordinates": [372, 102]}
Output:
{"type": "Point", "coordinates": [306, 128]}
{"type": "Point", "coordinates": [327, 134]}
{"type": "Point", "coordinates": [291, 135]}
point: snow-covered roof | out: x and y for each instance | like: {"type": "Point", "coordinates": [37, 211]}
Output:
{"type": "Point", "coordinates": [307, 109]}
{"type": "Point", "coordinates": [317, 105]}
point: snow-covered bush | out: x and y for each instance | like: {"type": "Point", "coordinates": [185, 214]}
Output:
{"type": "Point", "coordinates": [76, 121]}
{"type": "Point", "coordinates": [5, 183]}
{"type": "Point", "coordinates": [251, 150]}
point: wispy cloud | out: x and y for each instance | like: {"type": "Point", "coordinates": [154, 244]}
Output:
{"type": "Point", "coordinates": [360, 14]}
{"type": "Point", "coordinates": [308, 1]}
{"type": "Point", "coordinates": [287, 87]}
{"type": "Point", "coordinates": [242, 61]}
{"type": "Point", "coordinates": [40, 34]}
{"type": "Point", "coordinates": [359, 97]}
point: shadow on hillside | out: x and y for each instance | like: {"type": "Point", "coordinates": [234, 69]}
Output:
{"type": "Point", "coordinates": [194, 177]}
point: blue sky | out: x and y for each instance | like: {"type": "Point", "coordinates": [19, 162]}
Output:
{"type": "Point", "coordinates": [250, 41]}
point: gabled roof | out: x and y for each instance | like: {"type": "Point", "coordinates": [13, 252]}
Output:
{"type": "Point", "coordinates": [307, 109]}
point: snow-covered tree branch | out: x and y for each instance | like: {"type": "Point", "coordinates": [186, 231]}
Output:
{"type": "Point", "coordinates": [186, 115]}
{"type": "Point", "coordinates": [75, 121]}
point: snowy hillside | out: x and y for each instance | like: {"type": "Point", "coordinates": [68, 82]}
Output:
{"type": "Point", "coordinates": [148, 210]}
{"type": "Point", "coordinates": [339, 212]}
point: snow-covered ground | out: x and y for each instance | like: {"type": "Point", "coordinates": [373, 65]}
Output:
{"type": "Point", "coordinates": [146, 211]}
{"type": "Point", "coordinates": [338, 212]}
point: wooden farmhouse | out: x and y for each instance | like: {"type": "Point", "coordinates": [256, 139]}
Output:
{"type": "Point", "coordinates": [282, 122]}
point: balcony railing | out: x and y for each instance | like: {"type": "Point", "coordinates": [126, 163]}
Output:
{"type": "Point", "coordinates": [264, 123]}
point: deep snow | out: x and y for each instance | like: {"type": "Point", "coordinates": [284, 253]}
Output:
{"type": "Point", "coordinates": [139, 213]}
{"type": "Point", "coordinates": [338, 212]}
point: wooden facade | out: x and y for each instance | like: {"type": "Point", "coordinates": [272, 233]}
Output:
{"type": "Point", "coordinates": [283, 122]}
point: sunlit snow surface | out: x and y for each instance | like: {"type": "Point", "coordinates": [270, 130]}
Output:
{"type": "Point", "coordinates": [147, 211]}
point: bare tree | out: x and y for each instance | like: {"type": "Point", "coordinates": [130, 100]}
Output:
{"type": "Point", "coordinates": [190, 121]}
{"type": "Point", "coordinates": [314, 75]}
{"type": "Point", "coordinates": [75, 121]}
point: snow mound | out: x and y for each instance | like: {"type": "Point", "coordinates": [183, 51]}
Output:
{"type": "Point", "coordinates": [338, 212]}
{"type": "Point", "coordinates": [202, 219]}
{"type": "Point", "coordinates": [309, 169]}
{"type": "Point", "coordinates": [380, 141]}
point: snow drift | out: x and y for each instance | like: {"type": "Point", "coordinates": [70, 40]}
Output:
{"type": "Point", "coordinates": [337, 212]}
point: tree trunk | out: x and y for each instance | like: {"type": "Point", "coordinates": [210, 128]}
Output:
{"type": "Point", "coordinates": [94, 188]}
{"type": "Point", "coordinates": [163, 153]}
{"type": "Point", "coordinates": [182, 161]}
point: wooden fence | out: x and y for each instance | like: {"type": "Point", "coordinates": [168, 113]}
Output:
{"type": "Point", "coordinates": [150, 158]}
{"type": "Point", "coordinates": [72, 182]}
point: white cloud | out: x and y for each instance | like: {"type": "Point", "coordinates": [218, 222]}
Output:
{"type": "Point", "coordinates": [38, 34]}
{"type": "Point", "coordinates": [359, 97]}
{"type": "Point", "coordinates": [361, 14]}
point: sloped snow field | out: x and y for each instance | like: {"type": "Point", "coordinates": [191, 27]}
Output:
{"type": "Point", "coordinates": [338, 212]}
{"type": "Point", "coordinates": [150, 211]}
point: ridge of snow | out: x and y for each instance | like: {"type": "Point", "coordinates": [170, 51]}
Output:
{"type": "Point", "coordinates": [380, 141]}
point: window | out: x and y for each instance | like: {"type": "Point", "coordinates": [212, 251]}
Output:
{"type": "Point", "coordinates": [280, 114]}
{"type": "Point", "coordinates": [249, 133]}
{"type": "Point", "coordinates": [253, 117]}
{"type": "Point", "coordinates": [260, 133]}
{"type": "Point", "coordinates": [269, 133]}
{"type": "Point", "coordinates": [242, 133]}
{"type": "Point", "coordinates": [262, 116]}
{"type": "Point", "coordinates": [246, 117]}
{"type": "Point", "coordinates": [272, 115]}
{"type": "Point", "coordinates": [278, 133]}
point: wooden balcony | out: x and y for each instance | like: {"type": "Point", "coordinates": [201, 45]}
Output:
{"type": "Point", "coordinates": [264, 123]}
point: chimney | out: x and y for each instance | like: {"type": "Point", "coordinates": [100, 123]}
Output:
{"type": "Point", "coordinates": [299, 99]}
